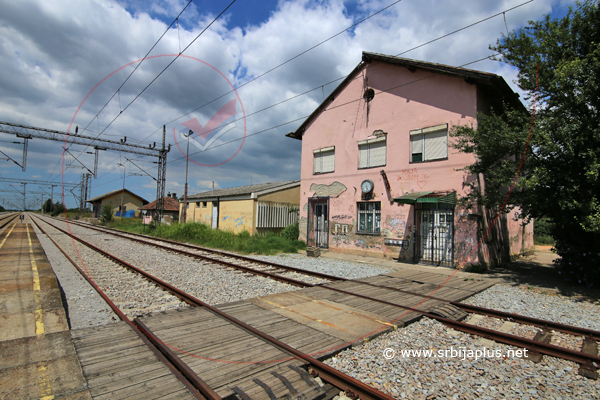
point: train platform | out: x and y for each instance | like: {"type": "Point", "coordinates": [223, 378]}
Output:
{"type": "Point", "coordinates": [38, 356]}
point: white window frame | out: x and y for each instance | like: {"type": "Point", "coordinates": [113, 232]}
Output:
{"type": "Point", "coordinates": [431, 143]}
{"type": "Point", "coordinates": [371, 154]}
{"type": "Point", "coordinates": [324, 160]}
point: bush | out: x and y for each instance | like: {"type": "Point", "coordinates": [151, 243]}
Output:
{"type": "Point", "coordinates": [106, 215]}
{"type": "Point", "coordinates": [542, 231]}
{"type": "Point", "coordinates": [291, 232]}
{"type": "Point", "coordinates": [57, 209]}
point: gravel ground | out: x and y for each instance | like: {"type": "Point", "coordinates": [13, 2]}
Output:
{"type": "Point", "coordinates": [343, 269]}
{"type": "Point", "coordinates": [522, 301]}
{"type": "Point", "coordinates": [421, 377]}
{"type": "Point", "coordinates": [212, 284]}
{"type": "Point", "coordinates": [470, 378]}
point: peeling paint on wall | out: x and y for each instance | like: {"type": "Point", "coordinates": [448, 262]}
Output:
{"type": "Point", "coordinates": [333, 190]}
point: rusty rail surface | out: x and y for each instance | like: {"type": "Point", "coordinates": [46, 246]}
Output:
{"type": "Point", "coordinates": [191, 381]}
{"type": "Point", "coordinates": [589, 360]}
{"type": "Point", "coordinates": [541, 323]}
{"type": "Point", "coordinates": [327, 373]}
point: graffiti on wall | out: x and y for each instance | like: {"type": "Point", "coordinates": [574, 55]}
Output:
{"type": "Point", "coordinates": [413, 175]}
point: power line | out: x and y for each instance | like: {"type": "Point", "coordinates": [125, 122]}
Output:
{"type": "Point", "coordinates": [308, 91]}
{"type": "Point", "coordinates": [122, 84]}
{"type": "Point", "coordinates": [282, 64]}
{"type": "Point", "coordinates": [137, 66]}
{"type": "Point", "coordinates": [342, 77]}
{"type": "Point", "coordinates": [339, 105]}
{"type": "Point", "coordinates": [168, 65]}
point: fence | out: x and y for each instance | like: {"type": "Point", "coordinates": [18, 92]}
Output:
{"type": "Point", "coordinates": [275, 215]}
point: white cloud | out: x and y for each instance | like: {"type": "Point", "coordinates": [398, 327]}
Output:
{"type": "Point", "coordinates": [53, 53]}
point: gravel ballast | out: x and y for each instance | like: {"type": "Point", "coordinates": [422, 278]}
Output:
{"type": "Point", "coordinates": [411, 377]}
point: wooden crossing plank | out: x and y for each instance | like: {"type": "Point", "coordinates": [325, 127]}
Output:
{"type": "Point", "coordinates": [123, 367]}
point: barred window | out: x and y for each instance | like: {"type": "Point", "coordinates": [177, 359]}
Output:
{"type": "Point", "coordinates": [369, 217]}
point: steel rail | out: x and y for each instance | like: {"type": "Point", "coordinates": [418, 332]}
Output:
{"type": "Point", "coordinates": [197, 387]}
{"type": "Point", "coordinates": [8, 220]}
{"type": "Point", "coordinates": [327, 373]}
{"type": "Point", "coordinates": [590, 360]}
{"type": "Point", "coordinates": [541, 323]}
{"type": "Point", "coordinates": [128, 235]}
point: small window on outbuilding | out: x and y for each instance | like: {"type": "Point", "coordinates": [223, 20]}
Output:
{"type": "Point", "coordinates": [204, 204]}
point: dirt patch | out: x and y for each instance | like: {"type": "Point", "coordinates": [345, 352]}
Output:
{"type": "Point", "coordinates": [537, 273]}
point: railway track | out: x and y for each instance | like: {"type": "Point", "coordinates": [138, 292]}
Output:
{"type": "Point", "coordinates": [538, 346]}
{"type": "Point", "coordinates": [196, 385]}
{"type": "Point", "coordinates": [7, 218]}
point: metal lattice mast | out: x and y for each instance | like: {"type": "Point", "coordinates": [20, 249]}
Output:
{"type": "Point", "coordinates": [161, 178]}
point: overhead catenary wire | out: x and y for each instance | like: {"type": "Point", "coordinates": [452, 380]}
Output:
{"type": "Point", "coordinates": [121, 86]}
{"type": "Point", "coordinates": [337, 79]}
{"type": "Point", "coordinates": [160, 73]}
{"type": "Point", "coordinates": [342, 77]}
{"type": "Point", "coordinates": [320, 86]}
{"type": "Point", "coordinates": [329, 109]}
{"type": "Point", "coordinates": [165, 68]}
{"type": "Point", "coordinates": [282, 64]}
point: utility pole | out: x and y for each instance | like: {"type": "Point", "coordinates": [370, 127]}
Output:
{"type": "Point", "coordinates": [123, 192]}
{"type": "Point", "coordinates": [24, 192]}
{"type": "Point", "coordinates": [187, 154]}
{"type": "Point", "coordinates": [161, 178]}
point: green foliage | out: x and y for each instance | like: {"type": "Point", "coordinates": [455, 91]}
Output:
{"type": "Point", "coordinates": [542, 231]}
{"type": "Point", "coordinates": [291, 232]}
{"type": "Point", "coordinates": [204, 235]}
{"type": "Point", "coordinates": [47, 207]}
{"type": "Point", "coordinates": [57, 208]}
{"type": "Point", "coordinates": [560, 177]}
{"type": "Point", "coordinates": [106, 214]}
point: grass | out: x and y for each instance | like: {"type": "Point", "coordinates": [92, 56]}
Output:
{"type": "Point", "coordinates": [203, 235]}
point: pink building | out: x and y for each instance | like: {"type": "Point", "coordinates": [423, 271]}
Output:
{"type": "Point", "coordinates": [380, 177]}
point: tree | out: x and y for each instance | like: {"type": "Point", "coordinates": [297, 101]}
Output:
{"type": "Point", "coordinates": [57, 208]}
{"type": "Point", "coordinates": [560, 178]}
{"type": "Point", "coordinates": [47, 208]}
{"type": "Point", "coordinates": [106, 214]}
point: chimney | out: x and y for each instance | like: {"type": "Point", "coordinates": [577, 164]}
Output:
{"type": "Point", "coordinates": [174, 196]}
{"type": "Point", "coordinates": [169, 194]}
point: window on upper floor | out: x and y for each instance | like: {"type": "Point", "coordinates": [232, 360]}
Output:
{"type": "Point", "coordinates": [324, 160]}
{"type": "Point", "coordinates": [429, 144]}
{"type": "Point", "coordinates": [371, 152]}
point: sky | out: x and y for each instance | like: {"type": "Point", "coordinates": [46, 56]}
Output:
{"type": "Point", "coordinates": [239, 87]}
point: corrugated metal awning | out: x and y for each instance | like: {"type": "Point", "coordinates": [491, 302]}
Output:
{"type": "Point", "coordinates": [427, 197]}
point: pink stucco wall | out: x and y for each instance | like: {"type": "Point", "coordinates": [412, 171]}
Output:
{"type": "Point", "coordinates": [420, 99]}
